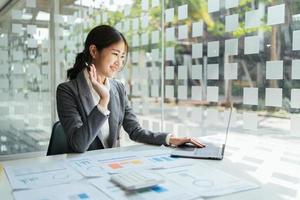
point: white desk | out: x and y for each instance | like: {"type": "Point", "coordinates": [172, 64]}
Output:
{"type": "Point", "coordinates": [232, 164]}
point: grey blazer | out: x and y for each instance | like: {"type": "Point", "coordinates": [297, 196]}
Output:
{"type": "Point", "coordinates": [81, 119]}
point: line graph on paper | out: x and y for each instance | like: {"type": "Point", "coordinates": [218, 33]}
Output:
{"type": "Point", "coordinates": [39, 175]}
{"type": "Point", "coordinates": [198, 182]}
{"type": "Point", "coordinates": [207, 181]}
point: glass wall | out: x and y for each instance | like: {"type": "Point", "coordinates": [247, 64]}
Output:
{"type": "Point", "coordinates": [25, 77]}
{"type": "Point", "coordinates": [187, 60]}
{"type": "Point", "coordinates": [243, 53]}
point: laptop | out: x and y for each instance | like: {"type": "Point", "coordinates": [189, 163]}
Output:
{"type": "Point", "coordinates": [210, 151]}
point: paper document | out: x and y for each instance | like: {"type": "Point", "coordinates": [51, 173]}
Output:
{"type": "Point", "coordinates": [39, 175]}
{"type": "Point", "coordinates": [206, 181]}
{"type": "Point", "coordinates": [165, 191]}
{"type": "Point", "coordinates": [98, 165]}
{"type": "Point", "coordinates": [161, 159]}
{"type": "Point", "coordinates": [72, 191]}
{"type": "Point", "coordinates": [87, 167]}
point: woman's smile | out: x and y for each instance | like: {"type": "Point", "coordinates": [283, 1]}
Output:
{"type": "Point", "coordinates": [114, 68]}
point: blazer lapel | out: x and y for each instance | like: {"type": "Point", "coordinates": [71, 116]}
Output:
{"type": "Point", "coordinates": [85, 93]}
{"type": "Point", "coordinates": [114, 107]}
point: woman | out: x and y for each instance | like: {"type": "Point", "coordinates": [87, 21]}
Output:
{"type": "Point", "coordinates": [92, 106]}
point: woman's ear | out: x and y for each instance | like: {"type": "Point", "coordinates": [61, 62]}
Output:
{"type": "Point", "coordinates": [93, 51]}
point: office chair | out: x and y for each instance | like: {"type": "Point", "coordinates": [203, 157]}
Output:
{"type": "Point", "coordinates": [58, 142]}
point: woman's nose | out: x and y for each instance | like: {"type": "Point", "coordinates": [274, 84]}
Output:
{"type": "Point", "coordinates": [119, 61]}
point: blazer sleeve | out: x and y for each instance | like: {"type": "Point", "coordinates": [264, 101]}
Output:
{"type": "Point", "coordinates": [79, 134]}
{"type": "Point", "coordinates": [134, 129]}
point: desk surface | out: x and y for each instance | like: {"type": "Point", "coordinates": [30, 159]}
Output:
{"type": "Point", "coordinates": [270, 165]}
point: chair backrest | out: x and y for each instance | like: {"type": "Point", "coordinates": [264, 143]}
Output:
{"type": "Point", "coordinates": [58, 142]}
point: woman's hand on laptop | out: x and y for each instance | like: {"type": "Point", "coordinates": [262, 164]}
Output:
{"type": "Point", "coordinates": [176, 141]}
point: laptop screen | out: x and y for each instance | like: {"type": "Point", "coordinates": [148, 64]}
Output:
{"type": "Point", "coordinates": [214, 125]}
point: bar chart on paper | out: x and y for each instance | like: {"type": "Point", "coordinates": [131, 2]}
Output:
{"type": "Point", "coordinates": [161, 159]}
{"type": "Point", "coordinates": [124, 163]}
{"type": "Point", "coordinates": [97, 166]}
{"type": "Point", "coordinates": [87, 167]}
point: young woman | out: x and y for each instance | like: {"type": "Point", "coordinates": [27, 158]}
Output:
{"type": "Point", "coordinates": [92, 106]}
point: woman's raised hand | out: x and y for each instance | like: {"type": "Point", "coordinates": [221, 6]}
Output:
{"type": "Point", "coordinates": [99, 86]}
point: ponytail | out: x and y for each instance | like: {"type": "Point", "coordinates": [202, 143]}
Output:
{"type": "Point", "coordinates": [78, 66]}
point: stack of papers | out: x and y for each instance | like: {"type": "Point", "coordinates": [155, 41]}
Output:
{"type": "Point", "coordinates": [183, 178]}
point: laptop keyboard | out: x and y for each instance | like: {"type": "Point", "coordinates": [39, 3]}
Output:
{"type": "Point", "coordinates": [212, 151]}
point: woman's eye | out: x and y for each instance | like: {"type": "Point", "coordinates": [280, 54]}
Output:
{"type": "Point", "coordinates": [115, 54]}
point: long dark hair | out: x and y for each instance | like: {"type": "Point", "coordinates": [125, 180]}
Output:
{"type": "Point", "coordinates": [101, 36]}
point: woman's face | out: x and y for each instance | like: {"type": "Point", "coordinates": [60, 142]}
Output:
{"type": "Point", "coordinates": [110, 60]}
